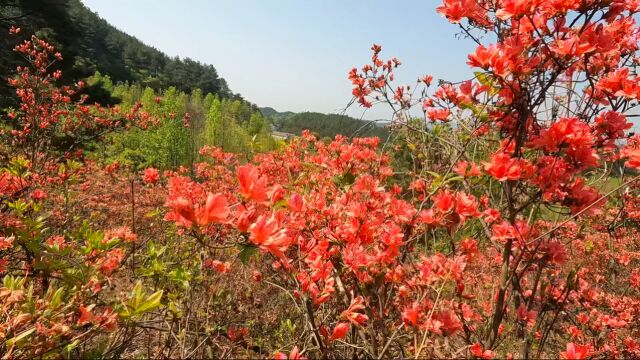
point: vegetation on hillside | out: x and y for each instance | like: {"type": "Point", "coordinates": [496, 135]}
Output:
{"type": "Point", "coordinates": [189, 122]}
{"type": "Point", "coordinates": [324, 125]}
{"type": "Point", "coordinates": [91, 44]}
{"type": "Point", "coordinates": [503, 223]}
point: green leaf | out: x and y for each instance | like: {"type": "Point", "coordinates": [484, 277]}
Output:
{"type": "Point", "coordinates": [137, 296]}
{"type": "Point", "coordinates": [487, 80]}
{"type": "Point", "coordinates": [454, 178]}
{"type": "Point", "coordinates": [180, 276]}
{"type": "Point", "coordinates": [150, 303]}
{"type": "Point", "coordinates": [483, 78]}
{"type": "Point", "coordinates": [56, 299]}
{"type": "Point", "coordinates": [23, 335]}
{"type": "Point", "coordinates": [348, 178]}
{"type": "Point", "coordinates": [70, 347]}
{"type": "Point", "coordinates": [280, 204]}
{"type": "Point", "coordinates": [152, 213]}
{"type": "Point", "coordinates": [246, 252]}
{"type": "Point", "coordinates": [435, 175]}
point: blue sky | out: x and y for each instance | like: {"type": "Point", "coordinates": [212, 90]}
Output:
{"type": "Point", "coordinates": [295, 54]}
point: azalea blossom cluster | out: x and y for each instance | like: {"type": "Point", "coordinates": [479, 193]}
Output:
{"type": "Point", "coordinates": [344, 239]}
{"type": "Point", "coordinates": [47, 109]}
{"type": "Point", "coordinates": [549, 105]}
{"type": "Point", "coordinates": [327, 217]}
{"type": "Point", "coordinates": [345, 232]}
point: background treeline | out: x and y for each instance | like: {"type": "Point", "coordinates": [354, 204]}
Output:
{"type": "Point", "coordinates": [324, 125]}
{"type": "Point", "coordinates": [135, 72]}
{"type": "Point", "coordinates": [89, 44]}
{"type": "Point", "coordinates": [231, 124]}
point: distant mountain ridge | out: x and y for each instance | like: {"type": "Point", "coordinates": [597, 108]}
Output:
{"type": "Point", "coordinates": [324, 125]}
{"type": "Point", "coordinates": [274, 114]}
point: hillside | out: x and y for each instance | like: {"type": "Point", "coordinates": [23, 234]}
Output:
{"type": "Point", "coordinates": [324, 125]}
{"type": "Point", "coordinates": [89, 44]}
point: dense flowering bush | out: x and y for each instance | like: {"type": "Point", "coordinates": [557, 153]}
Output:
{"type": "Point", "coordinates": [502, 223]}
{"type": "Point", "coordinates": [367, 266]}
{"type": "Point", "coordinates": [551, 91]}
{"type": "Point", "coordinates": [53, 296]}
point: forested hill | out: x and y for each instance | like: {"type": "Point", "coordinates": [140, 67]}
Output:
{"type": "Point", "coordinates": [89, 44]}
{"type": "Point", "coordinates": [325, 125]}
